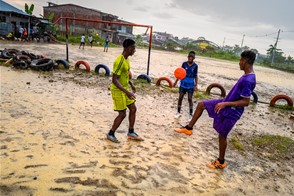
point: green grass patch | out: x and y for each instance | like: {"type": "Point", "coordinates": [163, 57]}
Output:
{"type": "Point", "coordinates": [173, 90]}
{"type": "Point", "coordinates": [143, 85]}
{"type": "Point", "coordinates": [274, 147]}
{"type": "Point", "coordinates": [236, 143]}
{"type": "Point", "coordinates": [201, 95]}
{"type": "Point", "coordinates": [275, 143]}
{"type": "Point", "coordinates": [284, 107]}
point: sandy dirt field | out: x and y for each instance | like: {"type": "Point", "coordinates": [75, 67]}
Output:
{"type": "Point", "coordinates": [53, 127]}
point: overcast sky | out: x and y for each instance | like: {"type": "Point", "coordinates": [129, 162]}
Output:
{"type": "Point", "coordinates": [220, 21]}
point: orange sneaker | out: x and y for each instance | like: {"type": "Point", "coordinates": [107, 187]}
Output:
{"type": "Point", "coordinates": [134, 136]}
{"type": "Point", "coordinates": [184, 130]}
{"type": "Point", "coordinates": [216, 165]}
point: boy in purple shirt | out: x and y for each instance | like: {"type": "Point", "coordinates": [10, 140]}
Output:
{"type": "Point", "coordinates": [226, 112]}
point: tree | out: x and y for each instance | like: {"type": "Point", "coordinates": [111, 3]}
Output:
{"type": "Point", "coordinates": [290, 60]}
{"type": "Point", "coordinates": [254, 50]}
{"type": "Point", "coordinates": [237, 49]}
{"type": "Point", "coordinates": [52, 28]}
{"type": "Point", "coordinates": [274, 52]}
{"type": "Point", "coordinates": [169, 45]}
{"type": "Point", "coordinates": [29, 10]}
{"type": "Point", "coordinates": [139, 40]}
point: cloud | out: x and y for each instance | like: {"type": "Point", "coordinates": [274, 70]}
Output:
{"type": "Point", "coordinates": [171, 5]}
{"type": "Point", "coordinates": [141, 9]}
{"type": "Point", "coordinates": [242, 13]}
{"type": "Point", "coordinates": [130, 2]}
{"type": "Point", "coordinates": [163, 15]}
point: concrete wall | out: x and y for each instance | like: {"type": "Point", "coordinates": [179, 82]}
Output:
{"type": "Point", "coordinates": [12, 23]}
{"type": "Point", "coordinates": [75, 12]}
{"type": "Point", "coordinates": [80, 27]}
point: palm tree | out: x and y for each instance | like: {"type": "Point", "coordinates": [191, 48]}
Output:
{"type": "Point", "coordinates": [29, 10]}
{"type": "Point", "coordinates": [272, 50]}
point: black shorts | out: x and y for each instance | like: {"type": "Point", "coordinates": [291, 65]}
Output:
{"type": "Point", "coordinates": [185, 90]}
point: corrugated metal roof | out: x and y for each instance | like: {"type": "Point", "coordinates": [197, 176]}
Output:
{"type": "Point", "coordinates": [5, 7]}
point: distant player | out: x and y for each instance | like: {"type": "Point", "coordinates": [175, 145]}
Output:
{"type": "Point", "coordinates": [122, 96]}
{"type": "Point", "coordinates": [226, 112]}
{"type": "Point", "coordinates": [106, 42]}
{"type": "Point", "coordinates": [188, 84]}
{"type": "Point", "coordinates": [90, 38]}
{"type": "Point", "coordinates": [82, 41]}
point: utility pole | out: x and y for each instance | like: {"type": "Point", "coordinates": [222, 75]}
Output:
{"type": "Point", "coordinates": [275, 47]}
{"type": "Point", "coordinates": [224, 42]}
{"type": "Point", "coordinates": [242, 41]}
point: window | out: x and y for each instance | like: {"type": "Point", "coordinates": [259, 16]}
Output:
{"type": "Point", "coordinates": [2, 18]}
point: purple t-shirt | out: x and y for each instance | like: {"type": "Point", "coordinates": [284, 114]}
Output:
{"type": "Point", "coordinates": [243, 88]}
{"type": "Point", "coordinates": [225, 120]}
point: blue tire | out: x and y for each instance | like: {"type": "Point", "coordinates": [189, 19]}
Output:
{"type": "Point", "coordinates": [255, 97]}
{"type": "Point", "coordinates": [98, 67]}
{"type": "Point", "coordinates": [63, 62]}
{"type": "Point", "coordinates": [144, 77]}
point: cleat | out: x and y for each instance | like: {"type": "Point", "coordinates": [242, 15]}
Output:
{"type": "Point", "coordinates": [184, 130]}
{"type": "Point", "coordinates": [134, 136]}
{"type": "Point", "coordinates": [216, 165]}
{"type": "Point", "coordinates": [177, 115]}
{"type": "Point", "coordinates": [112, 138]}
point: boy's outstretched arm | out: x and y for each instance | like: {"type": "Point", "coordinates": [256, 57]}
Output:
{"type": "Point", "coordinates": [242, 102]}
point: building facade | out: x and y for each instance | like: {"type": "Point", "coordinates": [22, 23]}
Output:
{"type": "Point", "coordinates": [116, 33]}
{"type": "Point", "coordinates": [11, 19]}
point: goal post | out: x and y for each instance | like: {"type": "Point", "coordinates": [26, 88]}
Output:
{"type": "Point", "coordinates": [149, 27]}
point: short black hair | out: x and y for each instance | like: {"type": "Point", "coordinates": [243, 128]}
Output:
{"type": "Point", "coordinates": [249, 56]}
{"type": "Point", "coordinates": [192, 52]}
{"type": "Point", "coordinates": [128, 42]}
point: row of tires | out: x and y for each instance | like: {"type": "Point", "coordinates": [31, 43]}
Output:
{"type": "Point", "coordinates": [106, 69]}
{"type": "Point", "coordinates": [24, 60]}
{"type": "Point", "coordinates": [273, 101]}
{"type": "Point", "coordinates": [13, 53]}
{"type": "Point", "coordinates": [97, 68]}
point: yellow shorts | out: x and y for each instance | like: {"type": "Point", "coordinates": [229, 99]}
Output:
{"type": "Point", "coordinates": [120, 100]}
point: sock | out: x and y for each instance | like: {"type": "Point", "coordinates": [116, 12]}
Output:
{"type": "Point", "coordinates": [221, 161]}
{"type": "Point", "coordinates": [131, 130]}
{"type": "Point", "coordinates": [191, 111]}
{"type": "Point", "coordinates": [179, 109]}
{"type": "Point", "coordinates": [111, 132]}
{"type": "Point", "coordinates": [188, 127]}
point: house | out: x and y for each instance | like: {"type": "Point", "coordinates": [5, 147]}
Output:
{"type": "Point", "coordinates": [11, 19]}
{"type": "Point", "coordinates": [115, 32]}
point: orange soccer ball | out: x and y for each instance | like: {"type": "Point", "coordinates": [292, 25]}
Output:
{"type": "Point", "coordinates": [180, 73]}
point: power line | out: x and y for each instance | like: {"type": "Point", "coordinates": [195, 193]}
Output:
{"type": "Point", "coordinates": [264, 35]}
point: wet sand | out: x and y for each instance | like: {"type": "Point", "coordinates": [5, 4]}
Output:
{"type": "Point", "coordinates": [53, 128]}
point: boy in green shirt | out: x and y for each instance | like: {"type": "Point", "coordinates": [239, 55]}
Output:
{"type": "Point", "coordinates": [122, 97]}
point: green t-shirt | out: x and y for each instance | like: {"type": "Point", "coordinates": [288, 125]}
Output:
{"type": "Point", "coordinates": [121, 67]}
